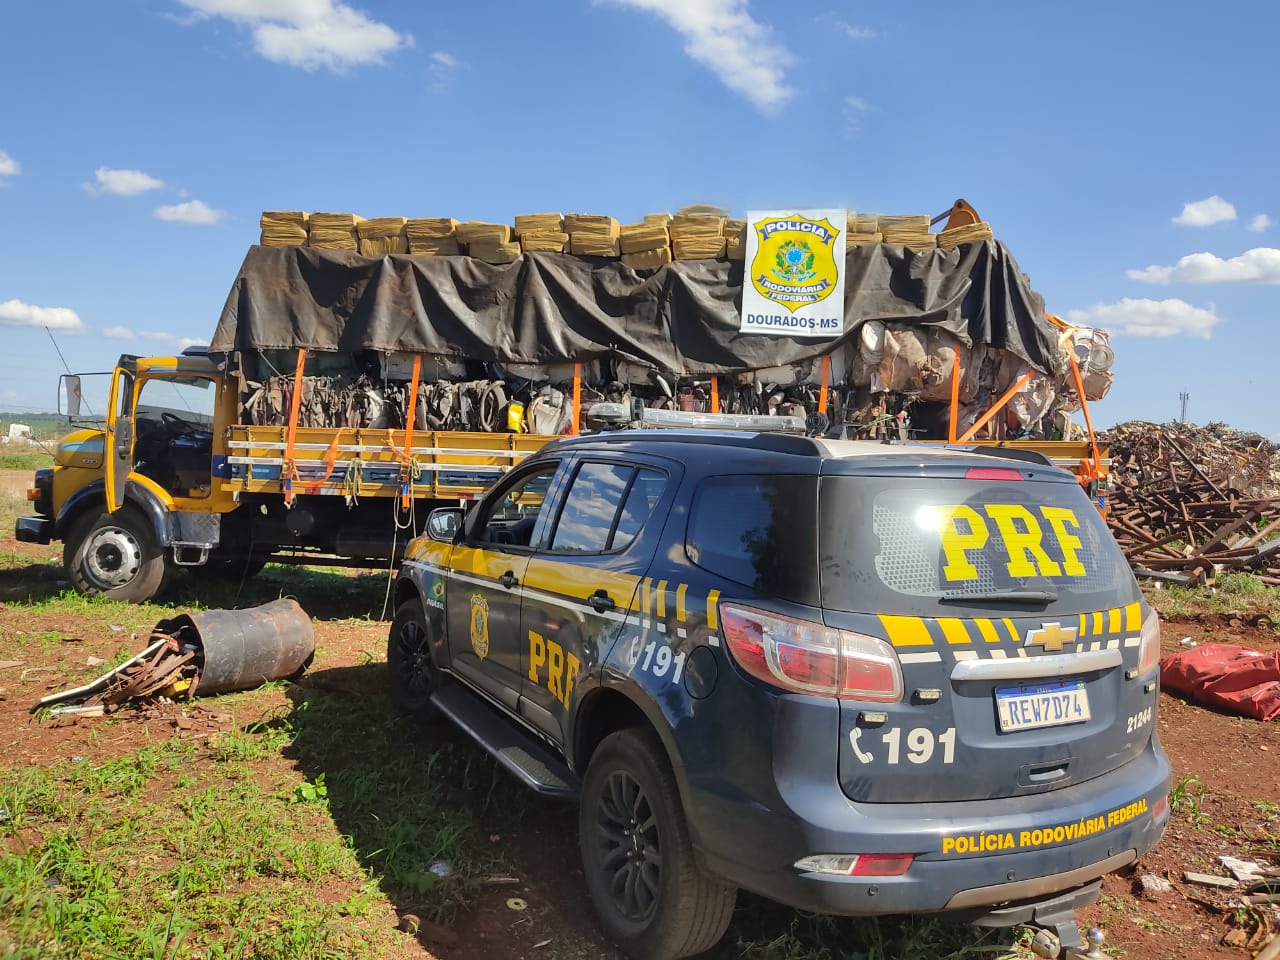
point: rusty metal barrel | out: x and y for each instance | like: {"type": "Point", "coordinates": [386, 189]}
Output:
{"type": "Point", "coordinates": [242, 649]}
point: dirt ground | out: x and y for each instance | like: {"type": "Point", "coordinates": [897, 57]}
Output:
{"type": "Point", "coordinates": [1232, 807]}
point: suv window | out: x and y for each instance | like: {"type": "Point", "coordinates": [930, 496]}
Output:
{"type": "Point", "coordinates": [926, 546]}
{"type": "Point", "coordinates": [511, 517]}
{"type": "Point", "coordinates": [646, 490]}
{"type": "Point", "coordinates": [605, 508]}
{"type": "Point", "coordinates": [759, 531]}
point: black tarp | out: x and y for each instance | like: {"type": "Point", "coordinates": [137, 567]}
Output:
{"type": "Point", "coordinates": [550, 307]}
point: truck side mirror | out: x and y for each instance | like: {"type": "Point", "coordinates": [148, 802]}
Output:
{"type": "Point", "coordinates": [71, 387]}
{"type": "Point", "coordinates": [444, 524]}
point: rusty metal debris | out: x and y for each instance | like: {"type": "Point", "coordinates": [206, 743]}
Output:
{"type": "Point", "coordinates": [1190, 502]}
{"type": "Point", "coordinates": [211, 651]}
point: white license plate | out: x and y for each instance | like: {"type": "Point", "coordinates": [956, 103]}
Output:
{"type": "Point", "coordinates": [1052, 704]}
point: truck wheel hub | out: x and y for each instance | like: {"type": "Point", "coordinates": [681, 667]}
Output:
{"type": "Point", "coordinates": [112, 557]}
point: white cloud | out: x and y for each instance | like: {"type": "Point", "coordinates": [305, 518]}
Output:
{"type": "Point", "coordinates": [309, 34]}
{"type": "Point", "coordinates": [193, 211]}
{"type": "Point", "coordinates": [122, 183]}
{"type": "Point", "coordinates": [9, 167]}
{"type": "Point", "coordinates": [1260, 223]}
{"type": "Point", "coordinates": [851, 112]}
{"type": "Point", "coordinates": [15, 313]}
{"type": "Point", "coordinates": [1149, 318]}
{"type": "Point", "coordinates": [724, 37]}
{"type": "Point", "coordinates": [118, 333]}
{"type": "Point", "coordinates": [441, 70]}
{"type": "Point", "coordinates": [856, 33]}
{"type": "Point", "coordinates": [1259, 265]}
{"type": "Point", "coordinates": [1203, 213]}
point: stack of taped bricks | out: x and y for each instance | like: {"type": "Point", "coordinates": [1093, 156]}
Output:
{"type": "Point", "coordinates": [655, 240]}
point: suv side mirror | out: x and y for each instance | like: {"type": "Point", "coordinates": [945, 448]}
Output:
{"type": "Point", "coordinates": [444, 524]}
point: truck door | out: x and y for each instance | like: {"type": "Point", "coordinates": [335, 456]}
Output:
{"type": "Point", "coordinates": [119, 437]}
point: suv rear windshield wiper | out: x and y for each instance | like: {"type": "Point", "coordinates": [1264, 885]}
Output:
{"type": "Point", "coordinates": [1001, 596]}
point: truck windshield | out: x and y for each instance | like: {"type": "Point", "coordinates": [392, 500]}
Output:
{"type": "Point", "coordinates": [930, 547]}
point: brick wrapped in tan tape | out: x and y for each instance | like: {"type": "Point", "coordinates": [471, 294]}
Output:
{"type": "Point", "coordinates": [494, 251]}
{"type": "Point", "coordinates": [380, 236]}
{"type": "Point", "coordinates": [969, 233]}
{"type": "Point", "coordinates": [539, 223]}
{"type": "Point", "coordinates": [283, 228]}
{"type": "Point", "coordinates": [544, 241]}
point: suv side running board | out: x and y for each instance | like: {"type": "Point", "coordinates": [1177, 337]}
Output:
{"type": "Point", "coordinates": [529, 760]}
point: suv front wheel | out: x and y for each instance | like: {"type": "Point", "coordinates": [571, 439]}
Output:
{"type": "Point", "coordinates": [412, 672]}
{"type": "Point", "coordinates": [650, 895]}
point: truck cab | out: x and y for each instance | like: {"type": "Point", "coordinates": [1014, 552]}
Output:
{"type": "Point", "coordinates": [138, 497]}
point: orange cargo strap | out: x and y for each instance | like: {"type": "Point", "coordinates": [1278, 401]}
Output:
{"type": "Point", "coordinates": [826, 383]}
{"type": "Point", "coordinates": [577, 399]}
{"type": "Point", "coordinates": [289, 470]}
{"type": "Point", "coordinates": [407, 460]}
{"type": "Point", "coordinates": [955, 398]}
{"type": "Point", "coordinates": [1093, 469]}
{"type": "Point", "coordinates": [330, 460]}
{"type": "Point", "coordinates": [715, 394]}
{"type": "Point", "coordinates": [999, 404]}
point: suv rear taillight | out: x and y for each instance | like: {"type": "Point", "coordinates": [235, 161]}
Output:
{"type": "Point", "coordinates": [808, 657]}
{"type": "Point", "coordinates": [1149, 647]}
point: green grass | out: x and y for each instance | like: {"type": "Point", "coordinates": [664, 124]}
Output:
{"type": "Point", "coordinates": [805, 937]}
{"type": "Point", "coordinates": [1187, 798]}
{"type": "Point", "coordinates": [1239, 592]}
{"type": "Point", "coordinates": [288, 837]}
{"type": "Point", "coordinates": [32, 460]}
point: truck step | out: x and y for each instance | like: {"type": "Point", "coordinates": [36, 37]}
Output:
{"type": "Point", "coordinates": [534, 764]}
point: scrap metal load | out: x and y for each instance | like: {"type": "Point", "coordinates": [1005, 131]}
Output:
{"type": "Point", "coordinates": [1189, 502]}
{"type": "Point", "coordinates": [510, 321]}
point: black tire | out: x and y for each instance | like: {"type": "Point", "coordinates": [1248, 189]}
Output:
{"type": "Point", "coordinates": [649, 894]}
{"type": "Point", "coordinates": [115, 555]}
{"type": "Point", "coordinates": [412, 673]}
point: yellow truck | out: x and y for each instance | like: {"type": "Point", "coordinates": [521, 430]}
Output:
{"type": "Point", "coordinates": [441, 372]}
{"type": "Point", "coordinates": [174, 481]}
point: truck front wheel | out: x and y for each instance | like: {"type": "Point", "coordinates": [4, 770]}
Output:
{"type": "Point", "coordinates": [114, 555]}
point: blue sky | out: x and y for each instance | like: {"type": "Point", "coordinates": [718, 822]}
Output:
{"type": "Point", "coordinates": [1125, 152]}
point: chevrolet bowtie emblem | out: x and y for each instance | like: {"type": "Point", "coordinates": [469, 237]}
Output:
{"type": "Point", "coordinates": [1051, 636]}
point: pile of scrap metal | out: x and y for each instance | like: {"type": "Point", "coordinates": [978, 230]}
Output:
{"type": "Point", "coordinates": [207, 652]}
{"type": "Point", "coordinates": [1190, 502]}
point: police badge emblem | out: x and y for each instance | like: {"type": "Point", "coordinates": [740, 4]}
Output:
{"type": "Point", "coordinates": [480, 625]}
{"type": "Point", "coordinates": [795, 262]}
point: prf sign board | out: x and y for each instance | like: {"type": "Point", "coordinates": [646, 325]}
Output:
{"type": "Point", "coordinates": [794, 284]}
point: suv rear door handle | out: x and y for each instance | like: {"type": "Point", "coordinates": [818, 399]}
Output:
{"type": "Point", "coordinates": [601, 601]}
{"type": "Point", "coordinates": [509, 580]}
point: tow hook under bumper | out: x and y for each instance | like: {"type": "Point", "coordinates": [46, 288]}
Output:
{"type": "Point", "coordinates": [1061, 938]}
{"type": "Point", "coordinates": [1054, 920]}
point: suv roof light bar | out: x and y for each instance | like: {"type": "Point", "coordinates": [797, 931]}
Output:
{"type": "Point", "coordinates": [616, 416]}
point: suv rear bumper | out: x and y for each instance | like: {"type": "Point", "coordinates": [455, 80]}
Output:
{"type": "Point", "coordinates": [33, 530]}
{"type": "Point", "coordinates": [1020, 867]}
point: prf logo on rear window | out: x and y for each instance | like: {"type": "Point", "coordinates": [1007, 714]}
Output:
{"type": "Point", "coordinates": [964, 530]}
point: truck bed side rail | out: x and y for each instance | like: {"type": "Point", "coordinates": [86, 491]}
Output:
{"type": "Point", "coordinates": [369, 462]}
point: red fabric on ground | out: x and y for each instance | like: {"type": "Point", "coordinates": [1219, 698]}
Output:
{"type": "Point", "coordinates": [1231, 678]}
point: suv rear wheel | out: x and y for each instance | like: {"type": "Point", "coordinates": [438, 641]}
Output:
{"type": "Point", "coordinates": [650, 895]}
